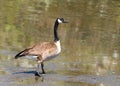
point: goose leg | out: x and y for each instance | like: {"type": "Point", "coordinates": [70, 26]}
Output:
{"type": "Point", "coordinates": [37, 70]}
{"type": "Point", "coordinates": [42, 67]}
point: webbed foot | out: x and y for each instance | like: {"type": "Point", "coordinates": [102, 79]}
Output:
{"type": "Point", "coordinates": [37, 74]}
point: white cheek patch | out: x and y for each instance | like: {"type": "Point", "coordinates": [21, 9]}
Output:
{"type": "Point", "coordinates": [59, 21]}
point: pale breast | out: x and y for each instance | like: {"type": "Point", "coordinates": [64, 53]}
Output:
{"type": "Point", "coordinates": [54, 51]}
{"type": "Point", "coordinates": [58, 46]}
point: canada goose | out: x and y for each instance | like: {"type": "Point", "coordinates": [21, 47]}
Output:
{"type": "Point", "coordinates": [45, 50]}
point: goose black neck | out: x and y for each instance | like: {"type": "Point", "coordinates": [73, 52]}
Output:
{"type": "Point", "coordinates": [56, 38]}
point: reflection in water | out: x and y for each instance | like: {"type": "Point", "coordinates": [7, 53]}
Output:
{"type": "Point", "coordinates": [39, 76]}
{"type": "Point", "coordinates": [90, 42]}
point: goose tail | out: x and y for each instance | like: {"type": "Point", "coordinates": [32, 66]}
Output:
{"type": "Point", "coordinates": [22, 53]}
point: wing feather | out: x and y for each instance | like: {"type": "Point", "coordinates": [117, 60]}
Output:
{"type": "Point", "coordinates": [44, 49]}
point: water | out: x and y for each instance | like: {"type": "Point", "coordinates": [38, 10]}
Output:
{"type": "Point", "coordinates": [90, 42]}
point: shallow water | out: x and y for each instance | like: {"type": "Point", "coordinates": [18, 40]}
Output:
{"type": "Point", "coordinates": [90, 42]}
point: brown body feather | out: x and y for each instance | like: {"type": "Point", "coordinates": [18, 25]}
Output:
{"type": "Point", "coordinates": [44, 51]}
